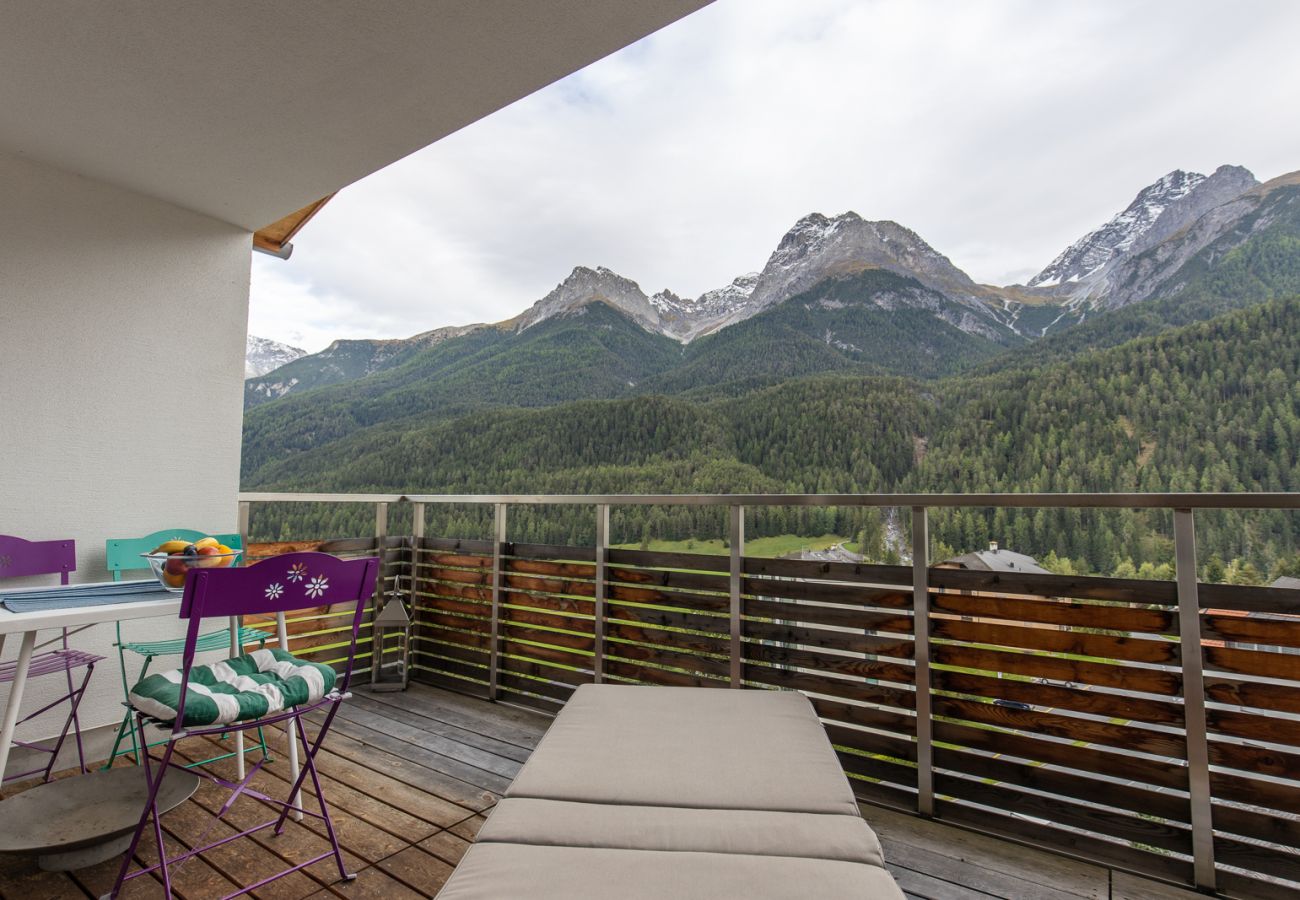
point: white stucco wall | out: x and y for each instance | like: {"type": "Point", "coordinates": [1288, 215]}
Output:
{"type": "Point", "coordinates": [122, 326]}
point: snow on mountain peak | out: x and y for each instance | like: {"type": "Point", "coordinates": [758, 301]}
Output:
{"type": "Point", "coordinates": [262, 355]}
{"type": "Point", "coordinates": [1092, 251]}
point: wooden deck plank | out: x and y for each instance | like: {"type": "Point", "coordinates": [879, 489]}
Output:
{"type": "Point", "coordinates": [510, 724]}
{"type": "Point", "coordinates": [981, 853]}
{"type": "Point", "coordinates": [1130, 887]}
{"type": "Point", "coordinates": [433, 725]}
{"type": "Point", "coordinates": [405, 824]}
{"type": "Point", "coordinates": [389, 721]}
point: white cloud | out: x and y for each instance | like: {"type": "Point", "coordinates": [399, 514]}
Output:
{"type": "Point", "coordinates": [1000, 131]}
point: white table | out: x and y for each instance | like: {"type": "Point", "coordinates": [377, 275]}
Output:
{"type": "Point", "coordinates": [28, 624]}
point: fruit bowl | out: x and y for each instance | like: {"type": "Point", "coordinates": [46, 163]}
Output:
{"type": "Point", "coordinates": [170, 568]}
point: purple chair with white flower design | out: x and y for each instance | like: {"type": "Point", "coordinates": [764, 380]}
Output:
{"type": "Point", "coordinates": [266, 687]}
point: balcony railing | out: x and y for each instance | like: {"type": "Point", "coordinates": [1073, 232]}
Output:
{"type": "Point", "coordinates": [1146, 725]}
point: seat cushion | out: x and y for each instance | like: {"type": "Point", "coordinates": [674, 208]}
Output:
{"type": "Point", "coordinates": [492, 871]}
{"type": "Point", "coordinates": [741, 831]}
{"type": "Point", "coordinates": [252, 686]}
{"type": "Point", "coordinates": [702, 748]}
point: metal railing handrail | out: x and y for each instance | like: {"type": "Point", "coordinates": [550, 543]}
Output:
{"type": "Point", "coordinates": [1174, 500]}
{"type": "Point", "coordinates": [1183, 506]}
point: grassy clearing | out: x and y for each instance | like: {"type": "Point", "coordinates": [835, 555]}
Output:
{"type": "Point", "coordinates": [779, 545]}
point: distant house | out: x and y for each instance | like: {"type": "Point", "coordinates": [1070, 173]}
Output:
{"type": "Point", "coordinates": [995, 559]}
{"type": "Point", "coordinates": [1286, 581]}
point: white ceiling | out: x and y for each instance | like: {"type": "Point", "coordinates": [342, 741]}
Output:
{"type": "Point", "coordinates": [248, 111]}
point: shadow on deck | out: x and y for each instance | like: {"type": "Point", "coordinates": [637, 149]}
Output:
{"type": "Point", "coordinates": [409, 777]}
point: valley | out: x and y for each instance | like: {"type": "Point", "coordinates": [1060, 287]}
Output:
{"type": "Point", "coordinates": [854, 346]}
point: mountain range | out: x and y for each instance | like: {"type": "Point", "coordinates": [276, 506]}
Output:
{"type": "Point", "coordinates": [1156, 353]}
{"type": "Point", "coordinates": [1143, 253]}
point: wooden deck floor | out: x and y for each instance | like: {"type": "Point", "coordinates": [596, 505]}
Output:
{"type": "Point", "coordinates": [409, 777]}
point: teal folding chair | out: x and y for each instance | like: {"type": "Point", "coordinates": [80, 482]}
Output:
{"type": "Point", "coordinates": [124, 555]}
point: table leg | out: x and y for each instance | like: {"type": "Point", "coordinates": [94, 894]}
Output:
{"type": "Point", "coordinates": [291, 725]}
{"type": "Point", "coordinates": [235, 650]}
{"type": "Point", "coordinates": [15, 696]}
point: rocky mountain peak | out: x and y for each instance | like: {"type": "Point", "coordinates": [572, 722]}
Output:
{"type": "Point", "coordinates": [262, 355]}
{"type": "Point", "coordinates": [584, 286]}
{"type": "Point", "coordinates": [1092, 251]}
{"type": "Point", "coordinates": [818, 247]}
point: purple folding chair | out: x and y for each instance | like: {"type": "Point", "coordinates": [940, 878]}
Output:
{"type": "Point", "coordinates": [19, 558]}
{"type": "Point", "coordinates": [262, 688]}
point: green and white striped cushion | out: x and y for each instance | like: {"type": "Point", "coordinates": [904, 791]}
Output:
{"type": "Point", "coordinates": [257, 684]}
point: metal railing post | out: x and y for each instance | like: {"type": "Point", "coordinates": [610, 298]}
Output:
{"type": "Point", "coordinates": [1198, 748]}
{"type": "Point", "coordinates": [736, 537]}
{"type": "Point", "coordinates": [417, 540]}
{"type": "Point", "coordinates": [245, 516]}
{"type": "Point", "coordinates": [921, 645]}
{"type": "Point", "coordinates": [498, 582]}
{"type": "Point", "coordinates": [598, 623]}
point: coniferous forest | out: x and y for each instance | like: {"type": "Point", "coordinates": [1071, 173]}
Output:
{"type": "Point", "coordinates": [1210, 406]}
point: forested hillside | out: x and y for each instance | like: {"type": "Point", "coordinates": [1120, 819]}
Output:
{"type": "Point", "coordinates": [1210, 406]}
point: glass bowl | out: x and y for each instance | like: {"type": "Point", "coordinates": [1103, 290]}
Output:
{"type": "Point", "coordinates": [170, 568]}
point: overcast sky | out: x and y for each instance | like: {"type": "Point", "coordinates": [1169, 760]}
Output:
{"type": "Point", "coordinates": [999, 130]}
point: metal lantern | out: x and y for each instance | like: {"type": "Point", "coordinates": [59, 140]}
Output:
{"type": "Point", "coordinates": [390, 670]}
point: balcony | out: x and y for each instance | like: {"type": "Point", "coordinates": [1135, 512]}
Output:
{"type": "Point", "coordinates": [1077, 736]}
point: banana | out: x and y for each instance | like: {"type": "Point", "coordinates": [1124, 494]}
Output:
{"type": "Point", "coordinates": [206, 542]}
{"type": "Point", "coordinates": [171, 547]}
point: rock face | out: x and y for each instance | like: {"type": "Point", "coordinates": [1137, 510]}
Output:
{"type": "Point", "coordinates": [1126, 259]}
{"type": "Point", "coordinates": [816, 248]}
{"type": "Point", "coordinates": [1092, 251]}
{"type": "Point", "coordinates": [599, 285]}
{"type": "Point", "coordinates": [262, 355]}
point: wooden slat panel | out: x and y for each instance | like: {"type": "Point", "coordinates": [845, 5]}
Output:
{"type": "Point", "coordinates": [704, 562]}
{"type": "Point", "coordinates": [1085, 759]}
{"type": "Point", "coordinates": [1256, 760]}
{"type": "Point", "coordinates": [546, 619]}
{"type": "Point", "coordinates": [1068, 813]}
{"type": "Point", "coordinates": [435, 634]}
{"type": "Point", "coordinates": [856, 595]}
{"type": "Point", "coordinates": [872, 767]}
{"type": "Point", "coordinates": [541, 669]}
{"type": "Point", "coordinates": [677, 599]}
{"type": "Point", "coordinates": [693, 581]}
{"type": "Point", "coordinates": [667, 618]}
{"type": "Point", "coordinates": [1254, 858]}
{"type": "Point", "coordinates": [1258, 825]}
{"type": "Point", "coordinates": [550, 552]}
{"type": "Point", "coordinates": [1254, 662]}
{"type": "Point", "coordinates": [1249, 598]}
{"type": "Point", "coordinates": [1057, 612]}
{"type": "Point", "coordinates": [988, 822]}
{"type": "Point", "coordinates": [1273, 632]}
{"type": "Point", "coordinates": [847, 641]}
{"type": "Point", "coordinates": [579, 573]}
{"type": "Point", "coordinates": [873, 741]}
{"type": "Point", "coordinates": [1066, 784]}
{"type": "Point", "coordinates": [1078, 587]}
{"type": "Point", "coordinates": [847, 689]}
{"type": "Point", "coordinates": [653, 675]}
{"type": "Point", "coordinates": [1253, 727]}
{"type": "Point", "coordinates": [1265, 794]}
{"type": "Point", "coordinates": [840, 616]}
{"type": "Point", "coordinates": [1276, 697]}
{"type": "Point", "coordinates": [511, 681]}
{"type": "Point", "coordinates": [827, 571]}
{"type": "Point", "coordinates": [457, 545]}
{"type": "Point", "coordinates": [867, 716]}
{"type": "Point", "coordinates": [1069, 727]}
{"type": "Point", "coordinates": [1052, 640]}
{"type": "Point", "coordinates": [1089, 700]}
{"type": "Point", "coordinates": [694, 663]}
{"type": "Point", "coordinates": [1133, 678]}
{"type": "Point", "coordinates": [850, 666]}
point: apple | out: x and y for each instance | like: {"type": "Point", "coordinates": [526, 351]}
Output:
{"type": "Point", "coordinates": [206, 555]}
{"type": "Point", "coordinates": [176, 564]}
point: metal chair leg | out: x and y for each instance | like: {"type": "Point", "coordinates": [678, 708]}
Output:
{"type": "Point", "coordinates": [150, 811]}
